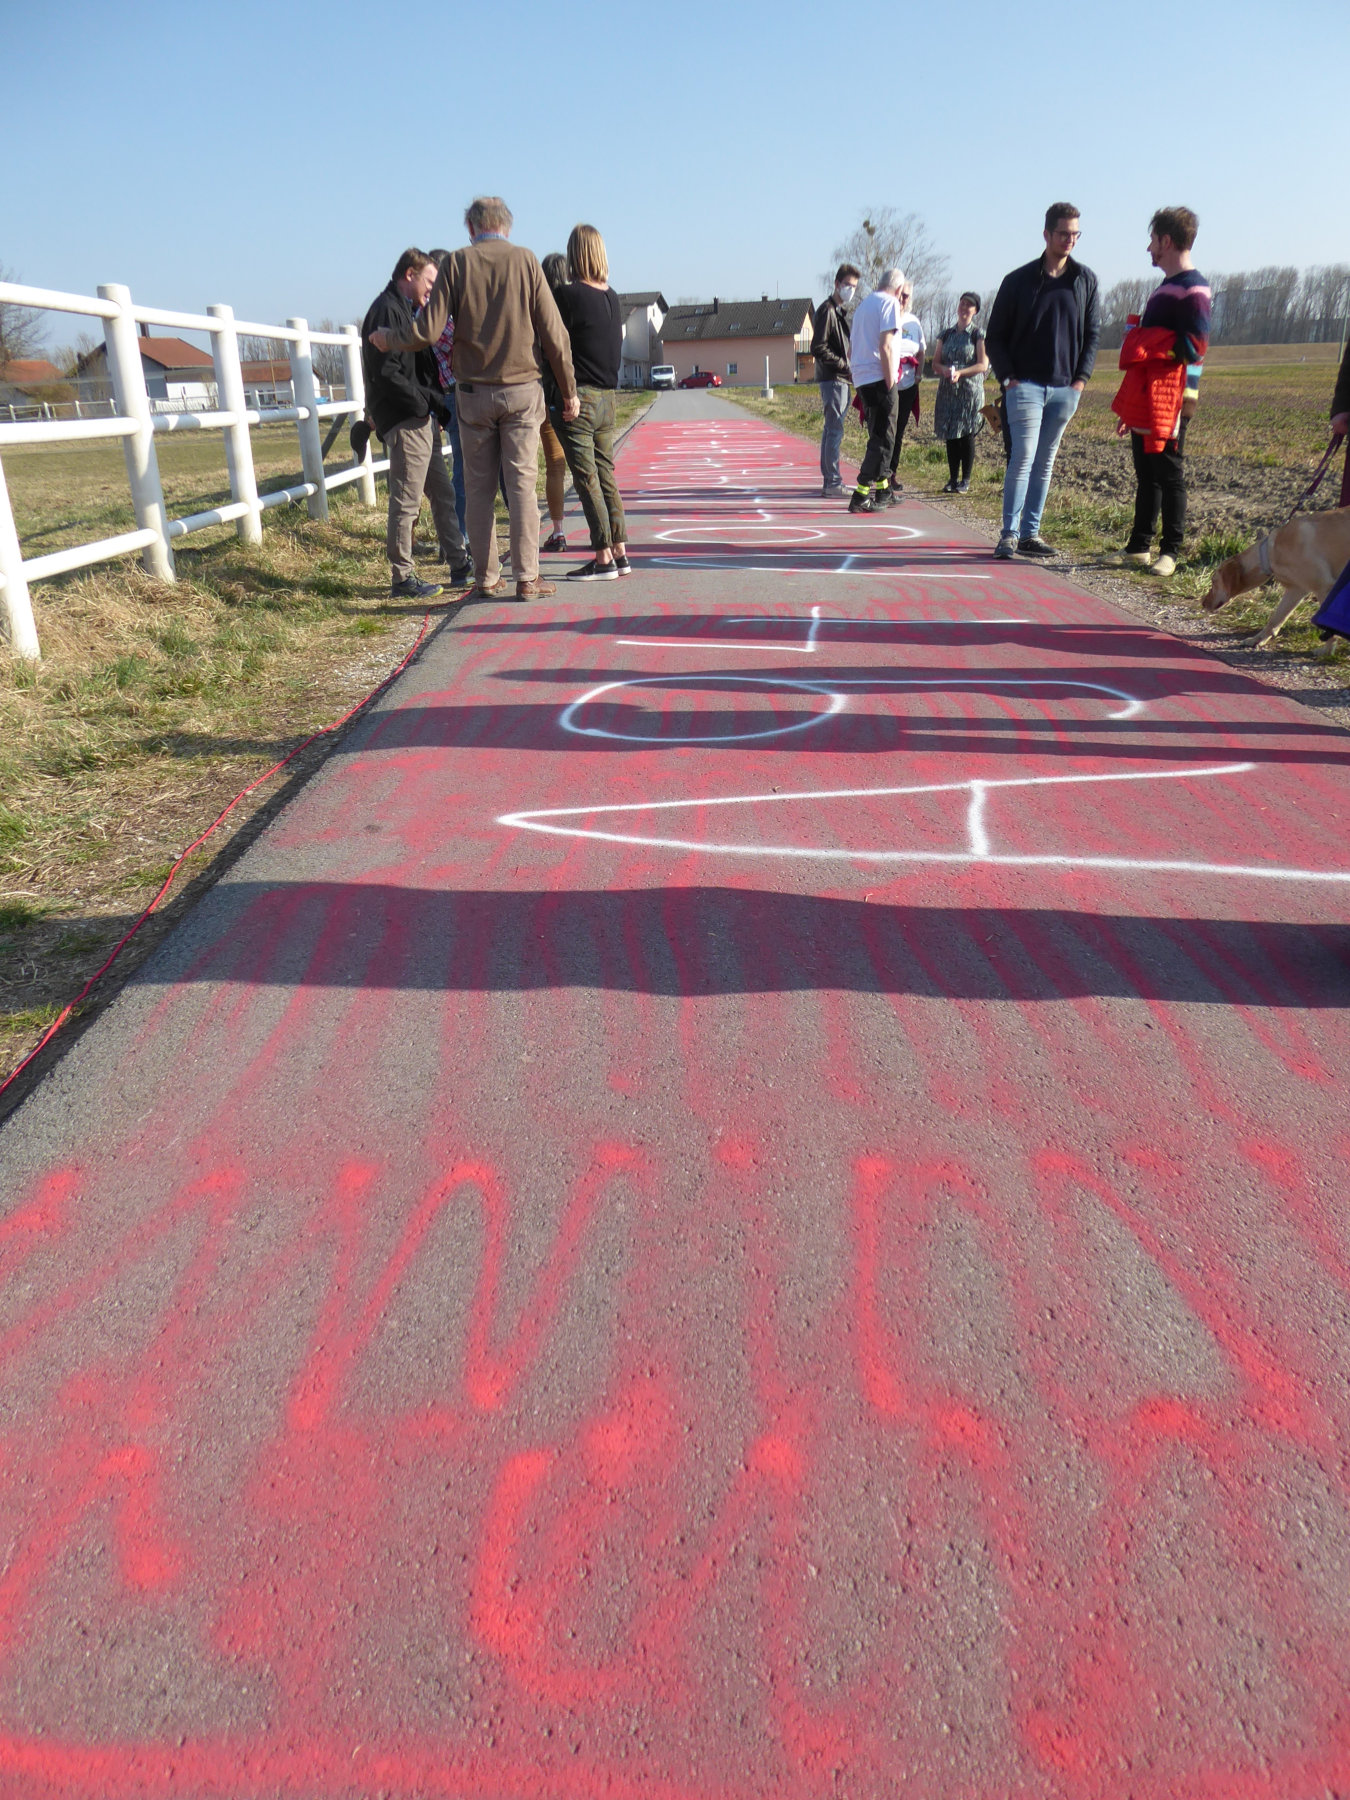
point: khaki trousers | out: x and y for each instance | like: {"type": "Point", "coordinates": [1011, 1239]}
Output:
{"type": "Point", "coordinates": [416, 467]}
{"type": "Point", "coordinates": [499, 430]}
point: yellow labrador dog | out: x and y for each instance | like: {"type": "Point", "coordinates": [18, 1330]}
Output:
{"type": "Point", "coordinates": [1305, 557]}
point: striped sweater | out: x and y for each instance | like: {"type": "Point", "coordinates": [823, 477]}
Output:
{"type": "Point", "coordinates": [1181, 304]}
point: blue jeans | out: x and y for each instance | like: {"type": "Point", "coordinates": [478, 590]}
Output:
{"type": "Point", "coordinates": [1037, 417]}
{"type": "Point", "coordinates": [457, 461]}
{"type": "Point", "coordinates": [834, 398]}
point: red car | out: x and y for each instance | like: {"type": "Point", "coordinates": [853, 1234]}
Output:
{"type": "Point", "coordinates": [704, 378]}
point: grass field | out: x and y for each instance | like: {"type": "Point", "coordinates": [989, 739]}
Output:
{"type": "Point", "coordinates": [1258, 435]}
{"type": "Point", "coordinates": [154, 704]}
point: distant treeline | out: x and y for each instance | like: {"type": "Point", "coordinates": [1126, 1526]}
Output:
{"type": "Point", "coordinates": [1252, 306]}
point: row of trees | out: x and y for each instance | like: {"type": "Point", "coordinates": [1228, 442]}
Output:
{"type": "Point", "coordinates": [1253, 306]}
{"type": "Point", "coordinates": [1274, 305]}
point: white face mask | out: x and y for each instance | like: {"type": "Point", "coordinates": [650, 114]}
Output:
{"type": "Point", "coordinates": [846, 295]}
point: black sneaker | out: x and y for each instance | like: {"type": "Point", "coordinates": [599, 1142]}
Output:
{"type": "Point", "coordinates": [413, 589]}
{"type": "Point", "coordinates": [1034, 546]}
{"type": "Point", "coordinates": [594, 571]}
{"type": "Point", "coordinates": [460, 572]}
{"type": "Point", "coordinates": [861, 503]}
{"type": "Point", "coordinates": [622, 564]}
{"type": "Point", "coordinates": [952, 487]}
{"type": "Point", "coordinates": [554, 542]}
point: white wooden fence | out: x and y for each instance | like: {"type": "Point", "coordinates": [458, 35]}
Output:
{"type": "Point", "coordinates": [134, 421]}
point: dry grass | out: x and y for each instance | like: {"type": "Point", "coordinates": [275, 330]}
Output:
{"type": "Point", "coordinates": [154, 705]}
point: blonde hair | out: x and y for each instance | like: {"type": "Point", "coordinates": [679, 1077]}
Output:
{"type": "Point", "coordinates": [586, 254]}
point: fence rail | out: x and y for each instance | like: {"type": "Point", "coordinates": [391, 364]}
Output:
{"type": "Point", "coordinates": [135, 420]}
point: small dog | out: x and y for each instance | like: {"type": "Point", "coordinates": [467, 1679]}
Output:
{"type": "Point", "coordinates": [1305, 557]}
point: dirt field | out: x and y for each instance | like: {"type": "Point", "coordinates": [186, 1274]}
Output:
{"type": "Point", "coordinates": [1258, 435]}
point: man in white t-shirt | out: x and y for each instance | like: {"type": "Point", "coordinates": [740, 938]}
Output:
{"type": "Point", "coordinates": [874, 361]}
{"type": "Point", "coordinates": [913, 348]}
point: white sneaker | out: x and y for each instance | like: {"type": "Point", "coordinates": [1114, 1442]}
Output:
{"type": "Point", "coordinates": [1165, 566]}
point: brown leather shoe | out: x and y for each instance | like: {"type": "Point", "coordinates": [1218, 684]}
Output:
{"type": "Point", "coordinates": [479, 592]}
{"type": "Point", "coordinates": [534, 590]}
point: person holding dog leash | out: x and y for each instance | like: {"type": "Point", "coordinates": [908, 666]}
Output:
{"type": "Point", "coordinates": [1340, 419]}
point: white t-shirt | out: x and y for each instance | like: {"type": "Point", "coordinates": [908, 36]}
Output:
{"type": "Point", "coordinates": [911, 344]}
{"type": "Point", "coordinates": [879, 312]}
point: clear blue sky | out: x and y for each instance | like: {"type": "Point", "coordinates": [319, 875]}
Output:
{"type": "Point", "coordinates": [279, 156]}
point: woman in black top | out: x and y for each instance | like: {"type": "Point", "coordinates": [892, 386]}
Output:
{"type": "Point", "coordinates": [590, 311]}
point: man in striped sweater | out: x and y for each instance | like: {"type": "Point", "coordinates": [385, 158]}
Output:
{"type": "Point", "coordinates": [1180, 306]}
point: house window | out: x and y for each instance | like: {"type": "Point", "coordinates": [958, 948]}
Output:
{"type": "Point", "coordinates": [731, 368]}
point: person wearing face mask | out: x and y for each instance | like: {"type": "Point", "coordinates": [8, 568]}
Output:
{"type": "Point", "coordinates": [830, 348]}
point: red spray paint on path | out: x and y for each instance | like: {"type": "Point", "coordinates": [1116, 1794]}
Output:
{"type": "Point", "coordinates": [744, 1198]}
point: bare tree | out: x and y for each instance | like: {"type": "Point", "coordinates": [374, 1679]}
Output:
{"type": "Point", "coordinates": [68, 357]}
{"type": "Point", "coordinates": [1118, 302]}
{"type": "Point", "coordinates": [21, 333]}
{"type": "Point", "coordinates": [886, 239]}
{"type": "Point", "coordinates": [328, 364]}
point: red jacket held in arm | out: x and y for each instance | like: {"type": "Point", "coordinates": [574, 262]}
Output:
{"type": "Point", "coordinates": [1149, 399]}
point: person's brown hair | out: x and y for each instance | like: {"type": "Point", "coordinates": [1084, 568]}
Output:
{"type": "Point", "coordinates": [1062, 209]}
{"type": "Point", "coordinates": [844, 270]}
{"type": "Point", "coordinates": [412, 258]}
{"type": "Point", "coordinates": [1176, 222]}
{"type": "Point", "coordinates": [489, 212]}
{"type": "Point", "coordinates": [586, 256]}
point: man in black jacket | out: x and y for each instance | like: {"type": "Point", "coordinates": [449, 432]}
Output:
{"type": "Point", "coordinates": [1042, 345]}
{"type": "Point", "coordinates": [404, 400]}
{"type": "Point", "coordinates": [829, 347]}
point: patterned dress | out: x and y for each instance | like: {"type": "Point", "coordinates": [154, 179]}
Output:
{"type": "Point", "coordinates": [956, 412]}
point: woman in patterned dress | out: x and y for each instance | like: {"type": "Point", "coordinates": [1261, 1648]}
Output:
{"type": "Point", "coordinates": [960, 364]}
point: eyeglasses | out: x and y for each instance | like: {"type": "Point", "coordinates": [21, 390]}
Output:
{"type": "Point", "coordinates": [1070, 237]}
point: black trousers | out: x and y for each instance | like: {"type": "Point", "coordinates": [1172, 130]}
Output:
{"type": "Point", "coordinates": [961, 456]}
{"type": "Point", "coordinates": [907, 401]}
{"type": "Point", "coordinates": [1160, 488]}
{"type": "Point", "coordinates": [879, 409]}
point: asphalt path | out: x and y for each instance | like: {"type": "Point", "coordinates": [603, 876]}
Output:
{"type": "Point", "coordinates": [744, 1197]}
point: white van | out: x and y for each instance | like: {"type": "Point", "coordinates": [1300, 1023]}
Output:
{"type": "Point", "coordinates": [663, 375]}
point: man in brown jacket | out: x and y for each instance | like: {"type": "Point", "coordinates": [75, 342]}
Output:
{"type": "Point", "coordinates": [504, 314]}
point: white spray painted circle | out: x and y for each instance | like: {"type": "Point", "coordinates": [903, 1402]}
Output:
{"type": "Point", "coordinates": [838, 702]}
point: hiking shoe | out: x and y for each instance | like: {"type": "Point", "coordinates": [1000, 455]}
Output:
{"type": "Point", "coordinates": [1166, 565]}
{"type": "Point", "coordinates": [622, 564]}
{"type": "Point", "coordinates": [534, 590]}
{"type": "Point", "coordinates": [554, 541]}
{"type": "Point", "coordinates": [861, 503]}
{"type": "Point", "coordinates": [1034, 546]}
{"type": "Point", "coordinates": [1006, 547]}
{"type": "Point", "coordinates": [594, 571]}
{"type": "Point", "coordinates": [882, 498]}
{"type": "Point", "coordinates": [480, 590]}
{"type": "Point", "coordinates": [413, 589]}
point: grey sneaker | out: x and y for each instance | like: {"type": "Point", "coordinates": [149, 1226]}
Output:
{"type": "Point", "coordinates": [413, 589]}
{"type": "Point", "coordinates": [1006, 547]}
{"type": "Point", "coordinates": [1034, 546]}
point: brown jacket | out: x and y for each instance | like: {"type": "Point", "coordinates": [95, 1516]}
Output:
{"type": "Point", "coordinates": [504, 313]}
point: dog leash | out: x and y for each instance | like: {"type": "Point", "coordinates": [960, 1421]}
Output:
{"type": "Point", "coordinates": [1319, 474]}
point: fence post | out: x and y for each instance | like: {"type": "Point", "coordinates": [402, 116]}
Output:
{"type": "Point", "coordinates": [133, 402]}
{"type": "Point", "coordinates": [356, 392]}
{"type": "Point", "coordinates": [238, 445]}
{"type": "Point", "coordinates": [311, 443]}
{"type": "Point", "coordinates": [15, 605]}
